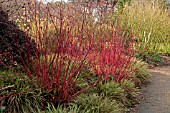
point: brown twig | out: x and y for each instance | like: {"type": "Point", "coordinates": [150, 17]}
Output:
{"type": "Point", "coordinates": [7, 87]}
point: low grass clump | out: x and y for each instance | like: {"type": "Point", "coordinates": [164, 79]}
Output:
{"type": "Point", "coordinates": [17, 95]}
{"type": "Point", "coordinates": [110, 97]}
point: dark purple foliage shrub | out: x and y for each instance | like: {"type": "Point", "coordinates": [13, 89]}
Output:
{"type": "Point", "coordinates": [15, 45]}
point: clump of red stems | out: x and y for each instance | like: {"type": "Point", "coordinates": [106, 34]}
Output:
{"type": "Point", "coordinates": [72, 38]}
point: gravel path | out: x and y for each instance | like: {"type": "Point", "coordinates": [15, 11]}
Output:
{"type": "Point", "coordinates": [157, 93]}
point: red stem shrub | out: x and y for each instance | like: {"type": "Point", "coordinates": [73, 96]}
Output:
{"type": "Point", "coordinates": [65, 44]}
{"type": "Point", "coordinates": [114, 58]}
{"type": "Point", "coordinates": [70, 39]}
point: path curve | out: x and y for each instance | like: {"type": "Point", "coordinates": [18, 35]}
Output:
{"type": "Point", "coordinates": [157, 93]}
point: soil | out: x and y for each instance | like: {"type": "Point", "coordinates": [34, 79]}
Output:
{"type": "Point", "coordinates": [156, 94]}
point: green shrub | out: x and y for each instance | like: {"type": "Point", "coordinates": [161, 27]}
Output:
{"type": "Point", "coordinates": [150, 22]}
